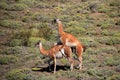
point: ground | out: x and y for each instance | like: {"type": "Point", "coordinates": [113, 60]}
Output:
{"type": "Point", "coordinates": [96, 23]}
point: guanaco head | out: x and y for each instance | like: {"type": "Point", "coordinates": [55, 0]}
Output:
{"type": "Point", "coordinates": [57, 20]}
{"type": "Point", "coordinates": [38, 43]}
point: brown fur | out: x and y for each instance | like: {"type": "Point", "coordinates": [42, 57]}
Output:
{"type": "Point", "coordinates": [54, 50]}
{"type": "Point", "coordinates": [66, 37]}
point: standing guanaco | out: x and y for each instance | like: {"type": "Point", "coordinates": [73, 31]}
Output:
{"type": "Point", "coordinates": [57, 52]}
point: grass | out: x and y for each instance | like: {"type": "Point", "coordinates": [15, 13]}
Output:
{"type": "Point", "coordinates": [108, 40]}
{"type": "Point", "coordinates": [24, 22]}
{"type": "Point", "coordinates": [7, 59]}
{"type": "Point", "coordinates": [19, 74]}
{"type": "Point", "coordinates": [12, 50]}
{"type": "Point", "coordinates": [12, 7]}
{"type": "Point", "coordinates": [11, 24]}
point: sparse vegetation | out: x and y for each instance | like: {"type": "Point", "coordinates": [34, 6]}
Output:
{"type": "Point", "coordinates": [20, 74]}
{"type": "Point", "coordinates": [94, 22]}
{"type": "Point", "coordinates": [7, 59]}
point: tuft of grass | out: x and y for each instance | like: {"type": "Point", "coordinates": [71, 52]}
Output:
{"type": "Point", "coordinates": [13, 7]}
{"type": "Point", "coordinates": [3, 5]}
{"type": "Point", "coordinates": [9, 15]}
{"type": "Point", "coordinates": [47, 78]}
{"type": "Point", "coordinates": [108, 40]}
{"type": "Point", "coordinates": [19, 74]}
{"type": "Point", "coordinates": [114, 77]}
{"type": "Point", "coordinates": [12, 50]}
{"type": "Point", "coordinates": [17, 7]}
{"type": "Point", "coordinates": [32, 40]}
{"type": "Point", "coordinates": [15, 42]}
{"type": "Point", "coordinates": [2, 33]}
{"type": "Point", "coordinates": [104, 24]}
{"type": "Point", "coordinates": [110, 61]}
{"type": "Point", "coordinates": [109, 50]}
{"type": "Point", "coordinates": [7, 59]}
{"type": "Point", "coordinates": [11, 24]}
{"type": "Point", "coordinates": [29, 3]}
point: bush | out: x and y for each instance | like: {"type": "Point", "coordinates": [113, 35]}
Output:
{"type": "Point", "coordinates": [109, 40]}
{"type": "Point", "coordinates": [32, 41]}
{"type": "Point", "coordinates": [92, 51]}
{"type": "Point", "coordinates": [92, 72]}
{"type": "Point", "coordinates": [23, 35]}
{"type": "Point", "coordinates": [17, 7]}
{"type": "Point", "coordinates": [3, 5]}
{"type": "Point", "coordinates": [12, 50]}
{"type": "Point", "coordinates": [110, 61]}
{"type": "Point", "coordinates": [42, 5]}
{"type": "Point", "coordinates": [30, 3]}
{"type": "Point", "coordinates": [118, 22]}
{"type": "Point", "coordinates": [11, 24]}
{"type": "Point", "coordinates": [6, 59]}
{"type": "Point", "coordinates": [9, 15]}
{"type": "Point", "coordinates": [13, 7]}
{"type": "Point", "coordinates": [47, 78]}
{"type": "Point", "coordinates": [15, 42]}
{"type": "Point", "coordinates": [109, 50]}
{"type": "Point", "coordinates": [19, 74]}
{"type": "Point", "coordinates": [104, 24]}
{"type": "Point", "coordinates": [2, 33]}
{"type": "Point", "coordinates": [115, 3]}
{"type": "Point", "coordinates": [114, 77]}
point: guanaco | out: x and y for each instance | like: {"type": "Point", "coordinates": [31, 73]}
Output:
{"type": "Point", "coordinates": [57, 52]}
{"type": "Point", "coordinates": [71, 41]}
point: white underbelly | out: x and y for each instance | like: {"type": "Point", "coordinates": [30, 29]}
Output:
{"type": "Point", "coordinates": [70, 44]}
{"type": "Point", "coordinates": [60, 54]}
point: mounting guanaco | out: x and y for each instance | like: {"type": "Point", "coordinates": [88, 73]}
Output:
{"type": "Point", "coordinates": [57, 52]}
{"type": "Point", "coordinates": [71, 41]}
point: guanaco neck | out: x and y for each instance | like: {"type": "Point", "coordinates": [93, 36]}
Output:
{"type": "Point", "coordinates": [60, 28]}
{"type": "Point", "coordinates": [42, 50]}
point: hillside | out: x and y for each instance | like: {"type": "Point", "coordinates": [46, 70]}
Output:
{"type": "Point", "coordinates": [96, 23]}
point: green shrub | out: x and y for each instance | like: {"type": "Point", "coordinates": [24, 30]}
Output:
{"type": "Point", "coordinates": [39, 25]}
{"type": "Point", "coordinates": [2, 33]}
{"type": "Point", "coordinates": [11, 24]}
{"type": "Point", "coordinates": [23, 35]}
{"type": "Point", "coordinates": [110, 61]}
{"type": "Point", "coordinates": [118, 22]}
{"type": "Point", "coordinates": [13, 7]}
{"type": "Point", "coordinates": [42, 5]}
{"type": "Point", "coordinates": [107, 32]}
{"type": "Point", "coordinates": [19, 74]}
{"type": "Point", "coordinates": [32, 40]}
{"type": "Point", "coordinates": [17, 7]}
{"type": "Point", "coordinates": [114, 77]}
{"type": "Point", "coordinates": [103, 8]}
{"type": "Point", "coordinates": [109, 40]}
{"type": "Point", "coordinates": [47, 78]}
{"type": "Point", "coordinates": [12, 50]}
{"type": "Point", "coordinates": [9, 15]}
{"type": "Point", "coordinates": [115, 3]}
{"type": "Point", "coordinates": [29, 3]}
{"type": "Point", "coordinates": [3, 5]}
{"type": "Point", "coordinates": [6, 59]}
{"type": "Point", "coordinates": [109, 50]}
{"type": "Point", "coordinates": [104, 24]}
{"type": "Point", "coordinates": [88, 41]}
{"type": "Point", "coordinates": [92, 51]}
{"type": "Point", "coordinates": [15, 42]}
{"type": "Point", "coordinates": [92, 72]}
